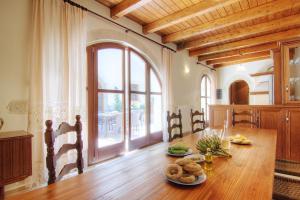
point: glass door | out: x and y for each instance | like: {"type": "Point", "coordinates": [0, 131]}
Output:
{"type": "Point", "coordinates": [205, 96]}
{"type": "Point", "coordinates": [111, 102]}
{"type": "Point", "coordinates": [125, 101]}
{"type": "Point", "coordinates": [138, 109]}
{"type": "Point", "coordinates": [155, 108]}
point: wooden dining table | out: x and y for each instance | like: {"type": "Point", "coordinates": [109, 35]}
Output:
{"type": "Point", "coordinates": [248, 174]}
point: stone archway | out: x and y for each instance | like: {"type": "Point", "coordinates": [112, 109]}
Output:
{"type": "Point", "coordinates": [239, 93]}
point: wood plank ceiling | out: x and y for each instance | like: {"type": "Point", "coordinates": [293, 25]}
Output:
{"type": "Point", "coordinates": [220, 32]}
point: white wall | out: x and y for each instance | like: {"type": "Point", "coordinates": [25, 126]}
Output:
{"type": "Point", "coordinates": [15, 24]}
{"type": "Point", "coordinates": [186, 85]}
{"type": "Point", "coordinates": [229, 74]}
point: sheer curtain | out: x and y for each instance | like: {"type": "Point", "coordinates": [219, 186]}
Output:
{"type": "Point", "coordinates": [167, 88]}
{"type": "Point", "coordinates": [57, 77]}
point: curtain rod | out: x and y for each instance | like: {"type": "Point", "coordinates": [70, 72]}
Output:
{"type": "Point", "coordinates": [120, 25]}
{"type": "Point", "coordinates": [211, 68]}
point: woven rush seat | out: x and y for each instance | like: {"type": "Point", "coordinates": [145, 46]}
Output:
{"type": "Point", "coordinates": [287, 167]}
{"type": "Point", "coordinates": [286, 188]}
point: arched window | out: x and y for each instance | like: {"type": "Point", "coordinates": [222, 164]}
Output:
{"type": "Point", "coordinates": [125, 101]}
{"type": "Point", "coordinates": [205, 94]}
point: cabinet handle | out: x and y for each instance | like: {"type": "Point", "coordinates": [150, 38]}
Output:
{"type": "Point", "coordinates": [287, 89]}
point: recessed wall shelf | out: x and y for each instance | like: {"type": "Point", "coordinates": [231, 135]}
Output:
{"type": "Point", "coordinates": [262, 73]}
{"type": "Point", "coordinates": [259, 92]}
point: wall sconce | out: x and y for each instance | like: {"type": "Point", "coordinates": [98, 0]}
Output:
{"type": "Point", "coordinates": [241, 68]}
{"type": "Point", "coordinates": [186, 70]}
{"type": "Point", "coordinates": [1, 123]}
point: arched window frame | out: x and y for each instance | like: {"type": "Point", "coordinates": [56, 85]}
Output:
{"type": "Point", "coordinates": [204, 95]}
{"type": "Point", "coordinates": [93, 90]}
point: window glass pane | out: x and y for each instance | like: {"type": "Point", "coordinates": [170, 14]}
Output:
{"type": "Point", "coordinates": [208, 87]}
{"type": "Point", "coordinates": [155, 114]}
{"type": "Point", "coordinates": [110, 64]}
{"type": "Point", "coordinates": [203, 93]}
{"type": "Point", "coordinates": [110, 119]}
{"type": "Point", "coordinates": [138, 116]}
{"type": "Point", "coordinates": [207, 108]}
{"type": "Point", "coordinates": [137, 72]}
{"type": "Point", "coordinates": [155, 86]}
{"type": "Point", "coordinates": [203, 104]}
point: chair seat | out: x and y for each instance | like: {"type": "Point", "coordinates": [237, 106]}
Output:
{"type": "Point", "coordinates": [287, 167]}
{"type": "Point", "coordinates": [286, 188]}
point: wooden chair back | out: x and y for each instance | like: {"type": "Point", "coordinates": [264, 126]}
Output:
{"type": "Point", "coordinates": [171, 119]}
{"type": "Point", "coordinates": [197, 121]}
{"type": "Point", "coordinates": [51, 159]}
{"type": "Point", "coordinates": [247, 118]}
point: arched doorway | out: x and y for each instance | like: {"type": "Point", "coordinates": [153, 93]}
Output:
{"type": "Point", "coordinates": [239, 93]}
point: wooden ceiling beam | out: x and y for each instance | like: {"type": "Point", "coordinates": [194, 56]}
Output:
{"type": "Point", "coordinates": [274, 37]}
{"type": "Point", "coordinates": [240, 62]}
{"type": "Point", "coordinates": [242, 16]}
{"type": "Point", "coordinates": [238, 58]}
{"type": "Point", "coordinates": [200, 8]}
{"type": "Point", "coordinates": [125, 7]}
{"type": "Point", "coordinates": [282, 23]}
{"type": "Point", "coordinates": [238, 52]}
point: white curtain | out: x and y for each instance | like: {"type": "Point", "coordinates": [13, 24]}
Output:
{"type": "Point", "coordinates": [167, 88]}
{"type": "Point", "coordinates": [57, 78]}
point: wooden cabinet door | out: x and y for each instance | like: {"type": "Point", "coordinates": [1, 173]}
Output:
{"type": "Point", "coordinates": [293, 134]}
{"type": "Point", "coordinates": [274, 118]}
{"type": "Point", "coordinates": [217, 116]}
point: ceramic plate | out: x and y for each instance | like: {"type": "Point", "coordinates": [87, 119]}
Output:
{"type": "Point", "coordinates": [190, 151]}
{"type": "Point", "coordinates": [198, 158]}
{"type": "Point", "coordinates": [198, 181]}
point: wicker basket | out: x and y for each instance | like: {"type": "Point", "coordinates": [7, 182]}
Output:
{"type": "Point", "coordinates": [286, 188]}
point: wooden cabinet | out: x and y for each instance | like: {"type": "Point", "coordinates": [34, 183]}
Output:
{"type": "Point", "coordinates": [15, 158]}
{"type": "Point", "coordinates": [285, 119]}
{"type": "Point", "coordinates": [273, 118]}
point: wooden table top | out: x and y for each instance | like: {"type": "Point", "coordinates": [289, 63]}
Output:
{"type": "Point", "coordinates": [140, 175]}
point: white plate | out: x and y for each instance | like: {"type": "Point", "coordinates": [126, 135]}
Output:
{"type": "Point", "coordinates": [201, 158]}
{"type": "Point", "coordinates": [190, 151]}
{"type": "Point", "coordinates": [199, 180]}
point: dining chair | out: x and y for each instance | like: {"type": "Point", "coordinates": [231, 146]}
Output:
{"type": "Point", "coordinates": [286, 180]}
{"type": "Point", "coordinates": [52, 158]}
{"type": "Point", "coordinates": [174, 122]}
{"type": "Point", "coordinates": [197, 119]}
{"type": "Point", "coordinates": [247, 118]}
